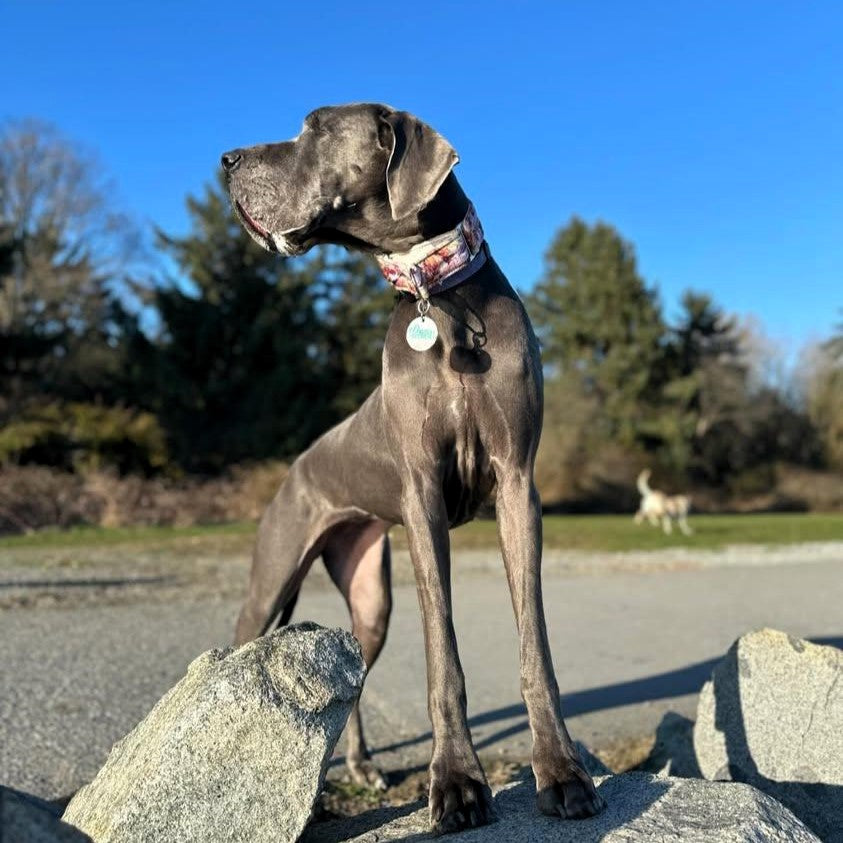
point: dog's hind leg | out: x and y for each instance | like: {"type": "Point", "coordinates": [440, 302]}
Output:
{"type": "Point", "coordinates": [358, 561]}
{"type": "Point", "coordinates": [287, 611]}
{"type": "Point", "coordinates": [288, 541]}
{"type": "Point", "coordinates": [684, 526]}
{"type": "Point", "coordinates": [667, 526]}
{"type": "Point", "coordinates": [273, 592]}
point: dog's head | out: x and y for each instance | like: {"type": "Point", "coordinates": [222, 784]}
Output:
{"type": "Point", "coordinates": [355, 174]}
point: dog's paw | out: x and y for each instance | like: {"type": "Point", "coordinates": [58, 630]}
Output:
{"type": "Point", "coordinates": [365, 773]}
{"type": "Point", "coordinates": [572, 797]}
{"type": "Point", "coordinates": [457, 802]}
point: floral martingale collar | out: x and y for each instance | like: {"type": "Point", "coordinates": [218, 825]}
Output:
{"type": "Point", "coordinates": [438, 264]}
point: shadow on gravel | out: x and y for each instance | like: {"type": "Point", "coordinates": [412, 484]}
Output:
{"type": "Point", "coordinates": [89, 583]}
{"type": "Point", "coordinates": [344, 828]}
{"type": "Point", "coordinates": [673, 749]}
{"type": "Point", "coordinates": [673, 683]}
{"type": "Point", "coordinates": [25, 818]}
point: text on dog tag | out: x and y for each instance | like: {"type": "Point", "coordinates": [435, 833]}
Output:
{"type": "Point", "coordinates": [422, 333]}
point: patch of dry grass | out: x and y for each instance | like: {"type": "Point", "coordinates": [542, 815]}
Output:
{"type": "Point", "coordinates": [627, 754]}
{"type": "Point", "coordinates": [343, 798]}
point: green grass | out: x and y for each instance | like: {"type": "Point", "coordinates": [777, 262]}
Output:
{"type": "Point", "coordinates": [572, 532]}
{"type": "Point", "coordinates": [618, 532]}
{"type": "Point", "coordinates": [105, 536]}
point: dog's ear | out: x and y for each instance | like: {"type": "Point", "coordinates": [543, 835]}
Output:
{"type": "Point", "coordinates": [419, 161]}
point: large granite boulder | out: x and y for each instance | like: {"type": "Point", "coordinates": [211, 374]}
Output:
{"type": "Point", "coordinates": [236, 751]}
{"type": "Point", "coordinates": [640, 809]}
{"type": "Point", "coordinates": [772, 716]}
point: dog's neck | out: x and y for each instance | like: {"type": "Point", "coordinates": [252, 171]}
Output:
{"type": "Point", "coordinates": [368, 226]}
{"type": "Point", "coordinates": [445, 211]}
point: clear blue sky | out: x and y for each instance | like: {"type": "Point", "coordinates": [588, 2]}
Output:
{"type": "Point", "coordinates": [709, 133]}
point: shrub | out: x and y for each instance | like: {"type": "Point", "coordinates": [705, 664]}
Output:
{"type": "Point", "coordinates": [32, 497]}
{"type": "Point", "coordinates": [35, 496]}
{"type": "Point", "coordinates": [85, 437]}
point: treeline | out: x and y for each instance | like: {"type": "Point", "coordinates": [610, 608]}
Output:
{"type": "Point", "coordinates": [224, 354]}
{"type": "Point", "coordinates": [689, 397]}
{"type": "Point", "coordinates": [230, 354]}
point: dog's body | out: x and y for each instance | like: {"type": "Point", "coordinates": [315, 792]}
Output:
{"type": "Point", "coordinates": [659, 508]}
{"type": "Point", "coordinates": [445, 427]}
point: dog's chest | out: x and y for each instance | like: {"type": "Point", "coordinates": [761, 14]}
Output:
{"type": "Point", "coordinates": [467, 478]}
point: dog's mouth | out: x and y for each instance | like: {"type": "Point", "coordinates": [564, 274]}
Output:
{"type": "Point", "coordinates": [252, 223]}
{"type": "Point", "coordinates": [284, 244]}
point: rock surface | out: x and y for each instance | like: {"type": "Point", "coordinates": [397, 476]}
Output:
{"type": "Point", "coordinates": [772, 716]}
{"type": "Point", "coordinates": [236, 751]}
{"type": "Point", "coordinates": [27, 819]}
{"type": "Point", "coordinates": [641, 808]}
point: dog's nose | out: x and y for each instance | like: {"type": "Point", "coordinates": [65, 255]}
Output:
{"type": "Point", "coordinates": [230, 160]}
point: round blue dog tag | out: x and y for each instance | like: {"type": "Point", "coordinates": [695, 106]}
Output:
{"type": "Point", "coordinates": [422, 333]}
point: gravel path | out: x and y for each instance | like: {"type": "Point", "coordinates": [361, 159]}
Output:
{"type": "Point", "coordinates": [86, 649]}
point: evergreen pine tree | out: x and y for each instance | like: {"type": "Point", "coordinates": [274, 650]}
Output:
{"type": "Point", "coordinates": [600, 323]}
{"type": "Point", "coordinates": [240, 375]}
{"type": "Point", "coordinates": [705, 388]}
{"type": "Point", "coordinates": [355, 308]}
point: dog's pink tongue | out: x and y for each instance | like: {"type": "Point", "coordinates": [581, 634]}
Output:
{"type": "Point", "coordinates": [252, 221]}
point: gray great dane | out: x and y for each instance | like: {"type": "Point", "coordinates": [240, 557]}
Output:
{"type": "Point", "coordinates": [446, 426]}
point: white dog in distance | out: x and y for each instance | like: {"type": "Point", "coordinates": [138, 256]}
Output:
{"type": "Point", "coordinates": [656, 506]}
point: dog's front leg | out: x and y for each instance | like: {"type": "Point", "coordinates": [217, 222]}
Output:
{"type": "Point", "coordinates": [459, 795]}
{"type": "Point", "coordinates": [563, 786]}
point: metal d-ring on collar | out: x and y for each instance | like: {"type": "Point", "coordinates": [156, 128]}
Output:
{"type": "Point", "coordinates": [422, 293]}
